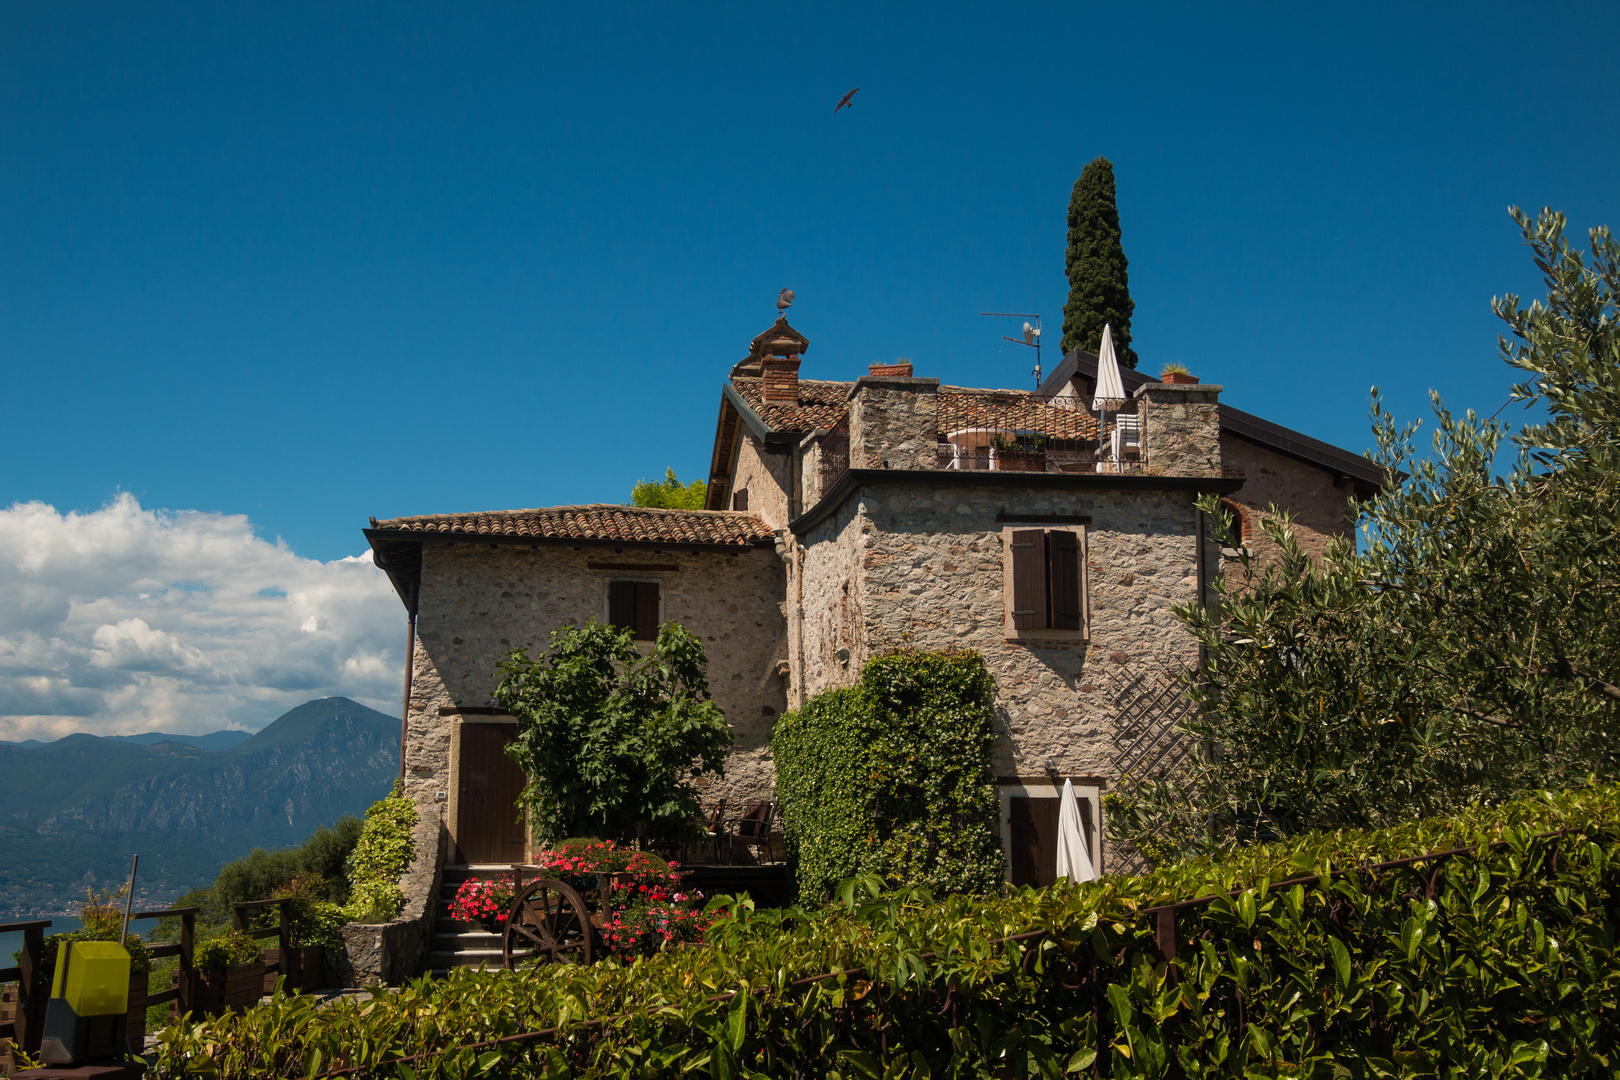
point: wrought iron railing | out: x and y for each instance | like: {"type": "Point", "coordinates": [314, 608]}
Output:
{"type": "Point", "coordinates": [834, 455]}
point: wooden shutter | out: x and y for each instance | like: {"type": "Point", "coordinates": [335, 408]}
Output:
{"type": "Point", "coordinates": [1029, 579]}
{"type": "Point", "coordinates": [622, 604]}
{"type": "Point", "coordinates": [1063, 563]}
{"type": "Point", "coordinates": [739, 501]}
{"type": "Point", "coordinates": [646, 610]}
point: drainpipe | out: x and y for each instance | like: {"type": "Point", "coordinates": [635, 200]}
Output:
{"type": "Point", "coordinates": [1201, 557]}
{"type": "Point", "coordinates": [410, 665]}
{"type": "Point", "coordinates": [798, 619]}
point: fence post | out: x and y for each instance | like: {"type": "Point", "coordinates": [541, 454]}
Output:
{"type": "Point", "coordinates": [282, 940]}
{"type": "Point", "coordinates": [188, 935]}
{"type": "Point", "coordinates": [32, 988]}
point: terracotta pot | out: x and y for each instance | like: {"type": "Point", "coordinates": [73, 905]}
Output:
{"type": "Point", "coordinates": [1179, 379]}
{"type": "Point", "coordinates": [1021, 460]}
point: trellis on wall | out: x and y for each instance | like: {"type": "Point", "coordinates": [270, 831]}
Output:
{"type": "Point", "coordinates": [1149, 706]}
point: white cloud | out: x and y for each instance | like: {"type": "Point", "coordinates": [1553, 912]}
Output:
{"type": "Point", "coordinates": [127, 620]}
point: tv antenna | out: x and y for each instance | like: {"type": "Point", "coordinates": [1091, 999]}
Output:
{"type": "Point", "coordinates": [1031, 338]}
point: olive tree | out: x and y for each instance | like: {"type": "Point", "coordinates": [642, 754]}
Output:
{"type": "Point", "coordinates": [1468, 652]}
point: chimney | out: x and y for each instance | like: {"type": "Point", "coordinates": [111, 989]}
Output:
{"type": "Point", "coordinates": [900, 370]}
{"type": "Point", "coordinates": [1181, 428]}
{"type": "Point", "coordinates": [777, 352]}
{"type": "Point", "coordinates": [781, 375]}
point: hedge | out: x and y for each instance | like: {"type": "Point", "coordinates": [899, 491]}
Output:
{"type": "Point", "coordinates": [1508, 969]}
{"type": "Point", "coordinates": [893, 777]}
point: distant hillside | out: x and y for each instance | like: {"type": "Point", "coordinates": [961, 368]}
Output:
{"type": "Point", "coordinates": [74, 810]}
{"type": "Point", "coordinates": [214, 740]}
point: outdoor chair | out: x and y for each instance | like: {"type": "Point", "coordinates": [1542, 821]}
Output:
{"type": "Point", "coordinates": [755, 825]}
{"type": "Point", "coordinates": [716, 828]}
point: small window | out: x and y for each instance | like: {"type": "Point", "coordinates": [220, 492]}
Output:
{"type": "Point", "coordinates": [633, 606]}
{"type": "Point", "coordinates": [739, 500]}
{"type": "Point", "coordinates": [1046, 569]}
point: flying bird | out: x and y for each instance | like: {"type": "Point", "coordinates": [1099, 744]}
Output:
{"type": "Point", "coordinates": [784, 299]}
{"type": "Point", "coordinates": [847, 96]}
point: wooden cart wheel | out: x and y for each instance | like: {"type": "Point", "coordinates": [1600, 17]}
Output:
{"type": "Point", "coordinates": [548, 924]}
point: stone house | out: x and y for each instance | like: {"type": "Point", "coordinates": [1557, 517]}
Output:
{"type": "Point", "coordinates": [848, 518]}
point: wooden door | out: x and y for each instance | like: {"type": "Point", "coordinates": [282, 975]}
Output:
{"type": "Point", "coordinates": [1034, 841]}
{"type": "Point", "coordinates": [489, 825]}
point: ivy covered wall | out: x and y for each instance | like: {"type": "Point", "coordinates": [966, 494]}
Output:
{"type": "Point", "coordinates": [893, 777]}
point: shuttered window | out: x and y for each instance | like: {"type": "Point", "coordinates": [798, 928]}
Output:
{"type": "Point", "coordinates": [633, 606]}
{"type": "Point", "coordinates": [1047, 580]}
{"type": "Point", "coordinates": [739, 500]}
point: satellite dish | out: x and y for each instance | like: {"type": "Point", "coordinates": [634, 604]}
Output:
{"type": "Point", "coordinates": [1029, 334]}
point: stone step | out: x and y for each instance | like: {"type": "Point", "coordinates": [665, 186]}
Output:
{"type": "Point", "coordinates": [490, 958]}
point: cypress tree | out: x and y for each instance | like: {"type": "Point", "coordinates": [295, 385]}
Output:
{"type": "Point", "coordinates": [1099, 292]}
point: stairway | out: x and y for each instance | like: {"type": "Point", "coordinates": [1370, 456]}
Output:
{"type": "Point", "coordinates": [461, 944]}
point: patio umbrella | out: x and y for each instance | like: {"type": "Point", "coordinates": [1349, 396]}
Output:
{"type": "Point", "coordinates": [1110, 394]}
{"type": "Point", "coordinates": [1073, 858]}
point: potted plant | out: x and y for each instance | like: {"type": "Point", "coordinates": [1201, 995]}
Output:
{"type": "Point", "coordinates": [313, 923]}
{"type": "Point", "coordinates": [1024, 452]}
{"type": "Point", "coordinates": [227, 973]}
{"type": "Point", "coordinates": [584, 863]}
{"type": "Point", "coordinates": [648, 910]}
{"type": "Point", "coordinates": [1177, 373]}
{"type": "Point", "coordinates": [485, 901]}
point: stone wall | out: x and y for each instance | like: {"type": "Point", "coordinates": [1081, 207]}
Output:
{"type": "Point", "coordinates": [893, 423]}
{"type": "Point", "coordinates": [387, 954]}
{"type": "Point", "coordinates": [1321, 509]}
{"type": "Point", "coordinates": [1181, 429]}
{"type": "Point", "coordinates": [767, 479]}
{"type": "Point", "coordinates": [478, 602]}
{"type": "Point", "coordinates": [833, 617]}
{"type": "Point", "coordinates": [929, 575]}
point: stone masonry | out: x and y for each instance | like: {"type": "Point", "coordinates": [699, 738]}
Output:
{"type": "Point", "coordinates": [478, 602]}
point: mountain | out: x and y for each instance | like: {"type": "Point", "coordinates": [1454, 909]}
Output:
{"type": "Point", "coordinates": [73, 811]}
{"type": "Point", "coordinates": [214, 740]}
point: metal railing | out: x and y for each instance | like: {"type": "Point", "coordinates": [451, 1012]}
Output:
{"type": "Point", "coordinates": [834, 455]}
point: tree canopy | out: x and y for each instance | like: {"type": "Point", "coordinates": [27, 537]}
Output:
{"type": "Point", "coordinates": [611, 739]}
{"type": "Point", "coordinates": [1469, 652]}
{"type": "Point", "coordinates": [1099, 287]}
{"type": "Point", "coordinates": [671, 494]}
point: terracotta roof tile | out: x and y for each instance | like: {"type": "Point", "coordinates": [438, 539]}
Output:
{"type": "Point", "coordinates": [820, 405]}
{"type": "Point", "coordinates": [823, 404]}
{"type": "Point", "coordinates": [605, 521]}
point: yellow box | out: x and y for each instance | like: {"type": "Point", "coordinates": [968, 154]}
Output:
{"type": "Point", "coordinates": [97, 977]}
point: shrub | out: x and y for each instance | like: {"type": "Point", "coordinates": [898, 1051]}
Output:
{"type": "Point", "coordinates": [893, 777]}
{"type": "Point", "coordinates": [227, 950]}
{"type": "Point", "coordinates": [1507, 971]}
{"type": "Point", "coordinates": [379, 859]}
{"type": "Point", "coordinates": [482, 898]}
{"type": "Point", "coordinates": [612, 740]}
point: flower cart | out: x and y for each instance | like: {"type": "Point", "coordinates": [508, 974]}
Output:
{"type": "Point", "coordinates": [590, 898]}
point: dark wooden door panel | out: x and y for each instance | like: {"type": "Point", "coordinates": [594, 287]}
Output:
{"type": "Point", "coordinates": [1033, 837]}
{"type": "Point", "coordinates": [488, 826]}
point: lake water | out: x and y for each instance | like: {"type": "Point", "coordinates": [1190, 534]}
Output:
{"type": "Point", "coordinates": [10, 943]}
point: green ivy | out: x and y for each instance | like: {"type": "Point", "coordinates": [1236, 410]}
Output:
{"type": "Point", "coordinates": [893, 777]}
{"type": "Point", "coordinates": [379, 859]}
{"type": "Point", "coordinates": [1507, 970]}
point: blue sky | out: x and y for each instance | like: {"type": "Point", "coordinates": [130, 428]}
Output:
{"type": "Point", "coordinates": [308, 263]}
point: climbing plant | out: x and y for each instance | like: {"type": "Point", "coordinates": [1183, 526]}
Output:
{"type": "Point", "coordinates": [892, 777]}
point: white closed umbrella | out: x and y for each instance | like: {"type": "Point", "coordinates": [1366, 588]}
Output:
{"type": "Point", "coordinates": [1073, 854]}
{"type": "Point", "coordinates": [1110, 395]}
